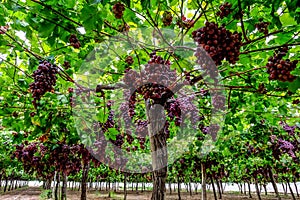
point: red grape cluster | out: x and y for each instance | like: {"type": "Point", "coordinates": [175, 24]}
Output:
{"type": "Point", "coordinates": [100, 143]}
{"type": "Point", "coordinates": [129, 60]}
{"type": "Point", "coordinates": [219, 43]}
{"type": "Point", "coordinates": [156, 82]}
{"type": "Point", "coordinates": [3, 29]}
{"type": "Point", "coordinates": [118, 10]}
{"type": "Point", "coordinates": [129, 138]}
{"type": "Point", "coordinates": [185, 23]}
{"type": "Point", "coordinates": [44, 80]}
{"type": "Point", "coordinates": [296, 101]}
{"type": "Point", "coordinates": [280, 69]}
{"type": "Point", "coordinates": [124, 28]}
{"type": "Point", "coordinates": [66, 65]}
{"type": "Point", "coordinates": [119, 140]}
{"type": "Point", "coordinates": [213, 129]}
{"type": "Point", "coordinates": [74, 41]}
{"type": "Point", "coordinates": [157, 70]}
{"type": "Point", "coordinates": [36, 157]}
{"type": "Point", "coordinates": [167, 18]}
{"type": "Point", "coordinates": [262, 27]}
{"type": "Point", "coordinates": [280, 146]}
{"type": "Point", "coordinates": [174, 111]}
{"type": "Point", "coordinates": [142, 141]}
{"type": "Point", "coordinates": [225, 10]}
{"type": "Point", "coordinates": [218, 101]}
{"type": "Point", "coordinates": [141, 128]}
{"type": "Point", "coordinates": [289, 129]}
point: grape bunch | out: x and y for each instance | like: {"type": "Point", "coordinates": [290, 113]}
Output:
{"type": "Point", "coordinates": [119, 140]}
{"type": "Point", "coordinates": [218, 101]}
{"type": "Point", "coordinates": [157, 70]}
{"type": "Point", "coordinates": [3, 29]}
{"type": "Point", "coordinates": [129, 138]}
{"type": "Point", "coordinates": [218, 42]}
{"type": "Point", "coordinates": [142, 141]}
{"type": "Point", "coordinates": [66, 65]}
{"type": "Point", "coordinates": [296, 101]}
{"type": "Point", "coordinates": [158, 83]}
{"type": "Point", "coordinates": [213, 129]}
{"type": "Point", "coordinates": [129, 60]}
{"type": "Point", "coordinates": [280, 69]}
{"type": "Point", "coordinates": [289, 129]}
{"type": "Point", "coordinates": [118, 10]}
{"type": "Point", "coordinates": [141, 128]}
{"type": "Point", "coordinates": [123, 28]}
{"type": "Point", "coordinates": [167, 18]}
{"type": "Point", "coordinates": [74, 41]}
{"type": "Point", "coordinates": [100, 143]}
{"type": "Point", "coordinates": [174, 111]}
{"type": "Point", "coordinates": [263, 27]}
{"type": "Point", "coordinates": [280, 146]}
{"type": "Point", "coordinates": [185, 23]}
{"type": "Point", "coordinates": [44, 80]}
{"type": "Point", "coordinates": [225, 10]}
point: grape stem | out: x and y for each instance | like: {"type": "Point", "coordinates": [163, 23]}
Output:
{"type": "Point", "coordinates": [15, 67]}
{"type": "Point", "coordinates": [242, 22]}
{"type": "Point", "coordinates": [66, 17]}
{"type": "Point", "coordinates": [262, 37]}
{"type": "Point", "coordinates": [270, 48]}
{"type": "Point", "coordinates": [239, 73]}
{"type": "Point", "coordinates": [26, 50]}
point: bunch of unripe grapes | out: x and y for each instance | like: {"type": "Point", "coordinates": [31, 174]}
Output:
{"type": "Point", "coordinates": [167, 18]}
{"type": "Point", "coordinates": [118, 10]}
{"type": "Point", "coordinates": [263, 27]}
{"type": "Point", "coordinates": [218, 42]}
{"type": "Point", "coordinates": [225, 10]}
{"type": "Point", "coordinates": [280, 69]}
{"type": "Point", "coordinates": [44, 80]}
{"type": "Point", "coordinates": [74, 41]}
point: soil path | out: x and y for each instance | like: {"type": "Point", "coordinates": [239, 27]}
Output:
{"type": "Point", "coordinates": [33, 193]}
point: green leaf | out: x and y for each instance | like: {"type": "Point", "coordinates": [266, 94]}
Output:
{"type": "Point", "coordinates": [46, 29]}
{"type": "Point", "coordinates": [287, 20]}
{"type": "Point", "coordinates": [126, 2]}
{"type": "Point", "coordinates": [145, 4]}
{"type": "Point", "coordinates": [112, 133]}
{"type": "Point", "coordinates": [295, 85]}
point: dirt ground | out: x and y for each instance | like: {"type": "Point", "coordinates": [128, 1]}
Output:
{"type": "Point", "coordinates": [34, 194]}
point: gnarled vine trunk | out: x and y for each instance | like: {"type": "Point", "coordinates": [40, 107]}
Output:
{"type": "Point", "coordinates": [249, 189]}
{"type": "Point", "coordinates": [274, 183]}
{"type": "Point", "coordinates": [213, 186]}
{"type": "Point", "coordinates": [57, 186]}
{"type": "Point", "coordinates": [85, 172]}
{"type": "Point", "coordinates": [178, 189]}
{"type": "Point", "coordinates": [158, 144]}
{"type": "Point", "coordinates": [64, 187]}
{"type": "Point", "coordinates": [292, 193]}
{"type": "Point", "coordinates": [125, 188]}
{"type": "Point", "coordinates": [257, 189]}
{"type": "Point", "coordinates": [203, 171]}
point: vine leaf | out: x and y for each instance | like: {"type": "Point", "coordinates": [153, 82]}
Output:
{"type": "Point", "coordinates": [127, 2]}
{"type": "Point", "coordinates": [145, 4]}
